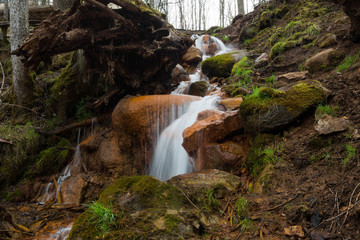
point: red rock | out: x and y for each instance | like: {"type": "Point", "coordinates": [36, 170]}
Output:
{"type": "Point", "coordinates": [212, 49]}
{"type": "Point", "coordinates": [72, 188]}
{"type": "Point", "coordinates": [207, 113]}
{"type": "Point", "coordinates": [232, 103]}
{"type": "Point", "coordinates": [211, 129]}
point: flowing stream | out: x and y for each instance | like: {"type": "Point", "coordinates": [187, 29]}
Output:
{"type": "Point", "coordinates": [170, 158]}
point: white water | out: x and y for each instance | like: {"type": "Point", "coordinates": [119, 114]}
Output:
{"type": "Point", "coordinates": [62, 233]}
{"type": "Point", "coordinates": [170, 158]}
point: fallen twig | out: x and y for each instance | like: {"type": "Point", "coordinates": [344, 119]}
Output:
{"type": "Point", "coordinates": [347, 211]}
{"type": "Point", "coordinates": [282, 204]}
{"type": "Point", "coordinates": [5, 141]}
{"type": "Point", "coordinates": [3, 81]}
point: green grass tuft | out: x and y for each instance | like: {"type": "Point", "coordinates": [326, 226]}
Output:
{"type": "Point", "coordinates": [348, 62]}
{"type": "Point", "coordinates": [103, 216]}
{"type": "Point", "coordinates": [321, 110]}
{"type": "Point", "coordinates": [350, 154]}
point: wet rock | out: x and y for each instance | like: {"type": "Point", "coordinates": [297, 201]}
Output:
{"type": "Point", "coordinates": [179, 74]}
{"type": "Point", "coordinates": [207, 113]}
{"type": "Point", "coordinates": [72, 189]}
{"type": "Point", "coordinates": [249, 31]}
{"type": "Point", "coordinates": [261, 61]}
{"type": "Point", "coordinates": [296, 231]}
{"type": "Point", "coordinates": [144, 207]}
{"type": "Point", "coordinates": [137, 117]}
{"type": "Point", "coordinates": [228, 156]}
{"type": "Point", "coordinates": [231, 103]}
{"type": "Point", "coordinates": [272, 109]}
{"type": "Point", "coordinates": [287, 78]}
{"type": "Point", "coordinates": [211, 129]}
{"type": "Point", "coordinates": [324, 60]}
{"type": "Point", "coordinates": [327, 41]}
{"type": "Point", "coordinates": [221, 65]}
{"type": "Point", "coordinates": [199, 88]}
{"type": "Point", "coordinates": [329, 124]}
{"type": "Point", "coordinates": [209, 46]}
{"type": "Point", "coordinates": [193, 55]}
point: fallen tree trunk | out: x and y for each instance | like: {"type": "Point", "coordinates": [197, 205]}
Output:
{"type": "Point", "coordinates": [133, 46]}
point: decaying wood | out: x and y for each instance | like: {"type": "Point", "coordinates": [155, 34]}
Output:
{"type": "Point", "coordinates": [71, 126]}
{"type": "Point", "coordinates": [2, 140]}
{"type": "Point", "coordinates": [134, 45]}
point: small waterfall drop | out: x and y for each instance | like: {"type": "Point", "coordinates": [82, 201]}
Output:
{"type": "Point", "coordinates": [170, 158]}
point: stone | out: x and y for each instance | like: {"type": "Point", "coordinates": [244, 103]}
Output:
{"type": "Point", "coordinates": [233, 90]}
{"type": "Point", "coordinates": [261, 61]}
{"type": "Point", "coordinates": [272, 110]}
{"type": "Point", "coordinates": [179, 74]}
{"type": "Point", "coordinates": [324, 60]}
{"type": "Point", "coordinates": [72, 189]}
{"type": "Point", "coordinates": [327, 41]}
{"type": "Point", "coordinates": [227, 156]}
{"type": "Point", "coordinates": [291, 77]}
{"type": "Point", "coordinates": [195, 183]}
{"type": "Point", "coordinates": [231, 103]}
{"type": "Point", "coordinates": [329, 124]}
{"type": "Point", "coordinates": [221, 65]}
{"type": "Point", "coordinates": [193, 55]}
{"type": "Point", "coordinates": [212, 49]}
{"type": "Point", "coordinates": [296, 231]}
{"type": "Point", "coordinates": [211, 129]}
{"type": "Point", "coordinates": [199, 88]}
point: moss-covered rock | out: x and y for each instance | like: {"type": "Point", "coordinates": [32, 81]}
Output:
{"type": "Point", "coordinates": [266, 19]}
{"type": "Point", "coordinates": [268, 109]}
{"type": "Point", "coordinates": [221, 65]}
{"type": "Point", "coordinates": [144, 208]}
{"type": "Point", "coordinates": [51, 160]}
{"type": "Point", "coordinates": [198, 88]}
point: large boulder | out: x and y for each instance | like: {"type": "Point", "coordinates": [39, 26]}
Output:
{"type": "Point", "coordinates": [221, 65]}
{"type": "Point", "coordinates": [143, 207]}
{"type": "Point", "coordinates": [324, 60]}
{"type": "Point", "coordinates": [215, 127]}
{"type": "Point", "coordinates": [268, 109]}
{"type": "Point", "coordinates": [138, 117]}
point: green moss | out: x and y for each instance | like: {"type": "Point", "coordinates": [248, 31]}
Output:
{"type": "Point", "coordinates": [281, 11]}
{"type": "Point", "coordinates": [243, 70]}
{"type": "Point", "coordinates": [17, 158]}
{"type": "Point", "coordinates": [280, 47]}
{"type": "Point", "coordinates": [266, 19]}
{"type": "Point", "coordinates": [218, 66]}
{"type": "Point", "coordinates": [51, 160]}
{"type": "Point", "coordinates": [348, 62]}
{"type": "Point", "coordinates": [150, 200]}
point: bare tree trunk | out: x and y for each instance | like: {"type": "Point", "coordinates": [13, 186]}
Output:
{"type": "Point", "coordinates": [241, 9]}
{"type": "Point", "coordinates": [62, 4]}
{"type": "Point", "coordinates": [200, 16]}
{"type": "Point", "coordinates": [222, 12]}
{"type": "Point", "coordinates": [19, 30]}
{"type": "Point", "coordinates": [6, 10]}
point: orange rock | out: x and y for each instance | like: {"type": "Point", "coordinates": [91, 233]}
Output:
{"type": "Point", "coordinates": [193, 55]}
{"type": "Point", "coordinates": [232, 103]}
{"type": "Point", "coordinates": [211, 129]}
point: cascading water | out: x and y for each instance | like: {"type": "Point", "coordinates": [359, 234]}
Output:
{"type": "Point", "coordinates": [170, 158]}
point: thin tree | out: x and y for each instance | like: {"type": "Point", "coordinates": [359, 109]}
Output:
{"type": "Point", "coordinates": [241, 8]}
{"type": "Point", "coordinates": [19, 30]}
{"type": "Point", "coordinates": [222, 12]}
{"type": "Point", "coordinates": [62, 4]}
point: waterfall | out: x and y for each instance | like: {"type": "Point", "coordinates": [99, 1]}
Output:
{"type": "Point", "coordinates": [170, 158]}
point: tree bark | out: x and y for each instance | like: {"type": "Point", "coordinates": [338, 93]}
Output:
{"type": "Point", "coordinates": [19, 30]}
{"type": "Point", "coordinates": [62, 4]}
{"type": "Point", "coordinates": [6, 10]}
{"type": "Point", "coordinates": [241, 9]}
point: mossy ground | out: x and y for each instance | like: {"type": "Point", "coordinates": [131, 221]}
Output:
{"type": "Point", "coordinates": [148, 207]}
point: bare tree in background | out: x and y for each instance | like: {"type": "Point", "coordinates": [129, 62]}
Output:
{"type": "Point", "coordinates": [19, 30]}
{"type": "Point", "coordinates": [241, 8]}
{"type": "Point", "coordinates": [222, 12]}
{"type": "Point", "coordinates": [62, 4]}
